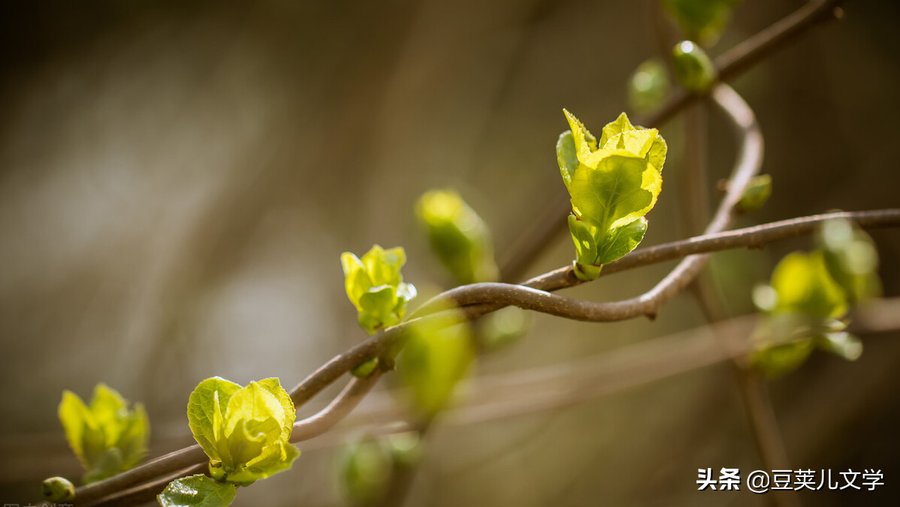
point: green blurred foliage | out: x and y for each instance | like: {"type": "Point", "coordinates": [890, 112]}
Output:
{"type": "Point", "coordinates": [810, 294]}
{"type": "Point", "coordinates": [458, 236]}
{"type": "Point", "coordinates": [436, 356]}
{"type": "Point", "coordinates": [106, 435]}
{"type": "Point", "coordinates": [648, 86]}
{"type": "Point", "coordinates": [365, 471]}
{"type": "Point", "coordinates": [851, 259]}
{"type": "Point", "coordinates": [701, 20]}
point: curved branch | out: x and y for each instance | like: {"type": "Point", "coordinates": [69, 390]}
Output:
{"type": "Point", "coordinates": [143, 482]}
{"type": "Point", "coordinates": [756, 236]}
{"type": "Point", "coordinates": [749, 160]}
{"type": "Point", "coordinates": [732, 63]}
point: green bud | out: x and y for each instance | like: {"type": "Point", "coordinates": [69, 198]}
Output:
{"type": "Point", "coordinates": [458, 236]}
{"type": "Point", "coordinates": [756, 194]}
{"type": "Point", "coordinates": [693, 68]}
{"type": "Point", "coordinates": [365, 369]}
{"type": "Point", "coordinates": [365, 471]}
{"type": "Point", "coordinates": [648, 86]}
{"type": "Point", "coordinates": [58, 489]}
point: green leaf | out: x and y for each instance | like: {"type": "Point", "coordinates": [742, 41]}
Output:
{"type": "Point", "coordinates": [756, 194]}
{"type": "Point", "coordinates": [434, 359]}
{"type": "Point", "coordinates": [584, 236]}
{"type": "Point", "coordinates": [693, 67]}
{"type": "Point", "coordinates": [612, 195]}
{"type": "Point", "coordinates": [197, 491]}
{"type": "Point", "coordinates": [566, 157]}
{"type": "Point", "coordinates": [458, 236]}
{"type": "Point", "coordinates": [245, 431]}
{"type": "Point", "coordinates": [106, 436]}
{"type": "Point", "coordinates": [375, 286]}
{"type": "Point", "coordinates": [648, 86]}
{"type": "Point", "coordinates": [621, 240]}
{"type": "Point", "coordinates": [701, 20]}
{"type": "Point", "coordinates": [205, 418]}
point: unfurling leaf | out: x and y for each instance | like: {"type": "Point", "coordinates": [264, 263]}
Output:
{"type": "Point", "coordinates": [375, 286]}
{"type": "Point", "coordinates": [701, 20]}
{"type": "Point", "coordinates": [197, 491]}
{"type": "Point", "coordinates": [245, 431]}
{"type": "Point", "coordinates": [107, 436]}
{"type": "Point", "coordinates": [648, 86]}
{"type": "Point", "coordinates": [692, 67]}
{"type": "Point", "coordinates": [436, 356]}
{"type": "Point", "coordinates": [613, 183]}
{"type": "Point", "coordinates": [458, 236]}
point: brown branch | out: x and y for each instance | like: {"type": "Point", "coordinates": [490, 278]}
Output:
{"type": "Point", "coordinates": [755, 236]}
{"type": "Point", "coordinates": [552, 220]}
{"type": "Point", "coordinates": [142, 481]}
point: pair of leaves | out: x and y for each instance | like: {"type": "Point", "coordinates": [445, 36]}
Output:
{"type": "Point", "coordinates": [245, 431]}
{"type": "Point", "coordinates": [613, 183]}
{"type": "Point", "coordinates": [458, 236]}
{"type": "Point", "coordinates": [810, 294]}
{"type": "Point", "coordinates": [375, 286]}
{"type": "Point", "coordinates": [106, 435]}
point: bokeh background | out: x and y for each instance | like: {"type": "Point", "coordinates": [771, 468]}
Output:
{"type": "Point", "coordinates": [178, 179]}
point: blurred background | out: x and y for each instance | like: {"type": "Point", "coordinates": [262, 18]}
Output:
{"type": "Point", "coordinates": [178, 180]}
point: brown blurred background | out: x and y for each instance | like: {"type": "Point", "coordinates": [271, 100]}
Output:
{"type": "Point", "coordinates": [178, 179]}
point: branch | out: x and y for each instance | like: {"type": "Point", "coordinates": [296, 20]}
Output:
{"type": "Point", "coordinates": [756, 236]}
{"type": "Point", "coordinates": [748, 162]}
{"type": "Point", "coordinates": [192, 459]}
{"type": "Point", "coordinates": [731, 64]}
